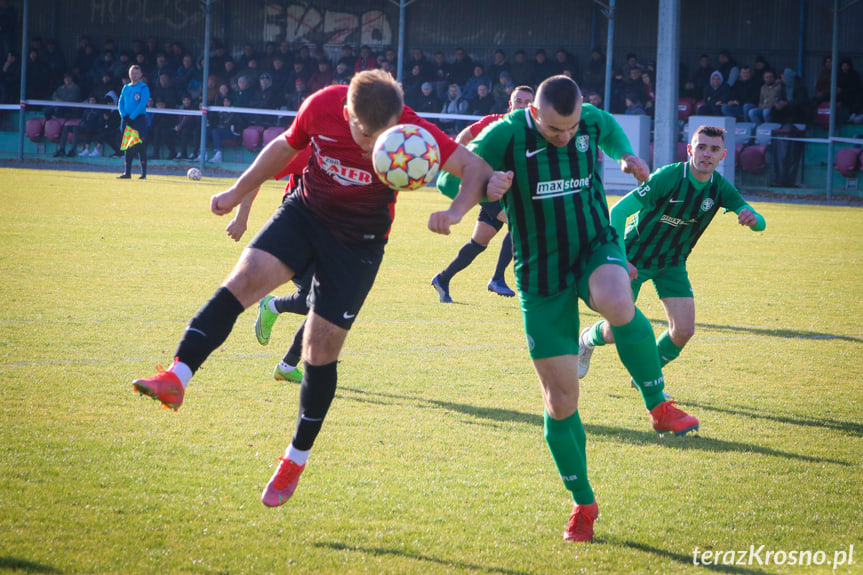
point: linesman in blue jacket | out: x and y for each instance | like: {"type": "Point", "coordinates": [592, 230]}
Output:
{"type": "Point", "coordinates": [133, 111]}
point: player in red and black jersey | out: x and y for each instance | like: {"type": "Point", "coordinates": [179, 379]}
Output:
{"type": "Point", "coordinates": [338, 221]}
{"type": "Point", "coordinates": [490, 219]}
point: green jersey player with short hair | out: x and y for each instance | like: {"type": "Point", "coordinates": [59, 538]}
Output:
{"type": "Point", "coordinates": [565, 249]}
{"type": "Point", "coordinates": [672, 210]}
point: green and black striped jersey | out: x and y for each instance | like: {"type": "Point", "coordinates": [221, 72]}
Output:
{"type": "Point", "coordinates": [556, 207]}
{"type": "Point", "coordinates": [677, 208]}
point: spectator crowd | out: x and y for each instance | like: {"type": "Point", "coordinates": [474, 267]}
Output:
{"type": "Point", "coordinates": [279, 76]}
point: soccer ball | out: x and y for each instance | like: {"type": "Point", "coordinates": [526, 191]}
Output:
{"type": "Point", "coordinates": [406, 157]}
{"type": "Point", "coordinates": [194, 174]}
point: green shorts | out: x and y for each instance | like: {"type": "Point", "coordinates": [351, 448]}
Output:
{"type": "Point", "coordinates": [668, 282]}
{"type": "Point", "coordinates": [551, 322]}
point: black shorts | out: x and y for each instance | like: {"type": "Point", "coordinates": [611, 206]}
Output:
{"type": "Point", "coordinates": [343, 273]}
{"type": "Point", "coordinates": [488, 212]}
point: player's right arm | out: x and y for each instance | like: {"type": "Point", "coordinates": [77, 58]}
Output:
{"type": "Point", "coordinates": [272, 159]}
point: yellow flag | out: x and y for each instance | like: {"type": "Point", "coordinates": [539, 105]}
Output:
{"type": "Point", "coordinates": [131, 137]}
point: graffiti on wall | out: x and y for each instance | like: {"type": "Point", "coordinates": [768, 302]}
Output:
{"type": "Point", "coordinates": [175, 15]}
{"type": "Point", "coordinates": [302, 23]}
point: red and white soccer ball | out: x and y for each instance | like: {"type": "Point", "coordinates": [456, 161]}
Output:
{"type": "Point", "coordinates": [194, 174]}
{"type": "Point", "coordinates": [406, 157]}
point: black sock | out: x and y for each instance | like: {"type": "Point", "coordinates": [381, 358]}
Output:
{"type": "Point", "coordinates": [316, 394]}
{"type": "Point", "coordinates": [466, 255]}
{"type": "Point", "coordinates": [294, 303]}
{"type": "Point", "coordinates": [209, 328]}
{"type": "Point", "coordinates": [295, 353]}
{"type": "Point", "coordinates": [504, 258]}
{"type": "Point", "coordinates": [128, 163]}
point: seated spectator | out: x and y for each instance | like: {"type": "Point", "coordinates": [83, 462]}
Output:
{"type": "Point", "coordinates": [633, 86]}
{"type": "Point", "coordinates": [744, 95]}
{"type": "Point", "coordinates": [594, 76]}
{"type": "Point", "coordinates": [108, 133]}
{"type": "Point", "coordinates": [461, 68]}
{"type": "Point", "coordinates": [631, 62]}
{"type": "Point", "coordinates": [520, 69]}
{"type": "Point", "coordinates": [322, 77]}
{"type": "Point", "coordinates": [634, 107]}
{"type": "Point", "coordinates": [484, 103]}
{"type": "Point", "coordinates": [10, 79]}
{"type": "Point", "coordinates": [343, 74]}
{"type": "Point", "coordinates": [186, 72]}
{"type": "Point", "coordinates": [279, 74]}
{"type": "Point", "coordinates": [768, 96]}
{"type": "Point", "coordinates": [542, 67]}
{"type": "Point", "coordinates": [715, 96]}
{"type": "Point", "coordinates": [160, 134]}
{"type": "Point", "coordinates": [454, 104]}
{"type": "Point", "coordinates": [105, 88]}
{"type": "Point", "coordinates": [793, 105]}
{"type": "Point", "coordinates": [187, 132]}
{"type": "Point", "coordinates": [424, 68]}
{"type": "Point", "coordinates": [39, 78]}
{"type": "Point", "coordinates": [701, 75]}
{"type": "Point", "coordinates": [413, 81]}
{"type": "Point", "coordinates": [86, 129]}
{"type": "Point", "coordinates": [728, 67]}
{"type": "Point", "coordinates": [299, 95]}
{"type": "Point", "coordinates": [164, 91]}
{"type": "Point", "coordinates": [499, 92]}
{"type": "Point", "coordinates": [440, 76]}
{"type": "Point", "coordinates": [367, 60]}
{"type": "Point", "coordinates": [565, 62]}
{"type": "Point", "coordinates": [68, 91]}
{"type": "Point", "coordinates": [226, 126]}
{"type": "Point", "coordinates": [849, 90]}
{"type": "Point", "coordinates": [427, 102]}
{"type": "Point", "coordinates": [823, 83]}
{"type": "Point", "coordinates": [593, 98]}
{"type": "Point", "coordinates": [498, 65]}
{"type": "Point", "coordinates": [649, 93]}
{"type": "Point", "coordinates": [761, 66]}
{"type": "Point", "coordinates": [387, 67]}
{"type": "Point", "coordinates": [470, 92]}
{"type": "Point", "coordinates": [242, 96]}
{"type": "Point", "coordinates": [266, 98]}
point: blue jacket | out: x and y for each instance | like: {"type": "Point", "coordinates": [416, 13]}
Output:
{"type": "Point", "coordinates": [133, 100]}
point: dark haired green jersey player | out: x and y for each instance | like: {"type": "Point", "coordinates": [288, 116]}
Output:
{"type": "Point", "coordinates": [672, 209]}
{"type": "Point", "coordinates": [566, 249]}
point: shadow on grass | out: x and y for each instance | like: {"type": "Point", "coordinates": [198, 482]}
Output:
{"type": "Point", "coordinates": [380, 551]}
{"type": "Point", "coordinates": [850, 427]}
{"type": "Point", "coordinates": [24, 566]}
{"type": "Point", "coordinates": [631, 436]}
{"type": "Point", "coordinates": [784, 333]}
{"type": "Point", "coordinates": [680, 557]}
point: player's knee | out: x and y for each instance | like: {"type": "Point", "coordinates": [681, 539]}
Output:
{"type": "Point", "coordinates": [681, 334]}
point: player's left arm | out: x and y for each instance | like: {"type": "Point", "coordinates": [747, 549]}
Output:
{"type": "Point", "coordinates": [614, 143]}
{"type": "Point", "coordinates": [747, 216]}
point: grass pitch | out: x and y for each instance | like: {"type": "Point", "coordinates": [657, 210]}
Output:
{"type": "Point", "coordinates": [432, 458]}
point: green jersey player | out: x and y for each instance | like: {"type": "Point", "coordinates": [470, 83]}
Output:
{"type": "Point", "coordinates": [565, 249]}
{"type": "Point", "coordinates": [672, 209]}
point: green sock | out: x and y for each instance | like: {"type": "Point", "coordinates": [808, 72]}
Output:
{"type": "Point", "coordinates": [637, 350]}
{"type": "Point", "coordinates": [567, 441]}
{"type": "Point", "coordinates": [668, 351]}
{"type": "Point", "coordinates": [594, 335]}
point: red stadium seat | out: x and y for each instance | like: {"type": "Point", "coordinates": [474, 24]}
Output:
{"type": "Point", "coordinates": [753, 159]}
{"type": "Point", "coordinates": [271, 134]}
{"type": "Point", "coordinates": [822, 114]}
{"type": "Point", "coordinates": [34, 129]}
{"type": "Point", "coordinates": [53, 127]}
{"type": "Point", "coordinates": [685, 108]}
{"type": "Point", "coordinates": [848, 161]}
{"type": "Point", "coordinates": [252, 137]}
